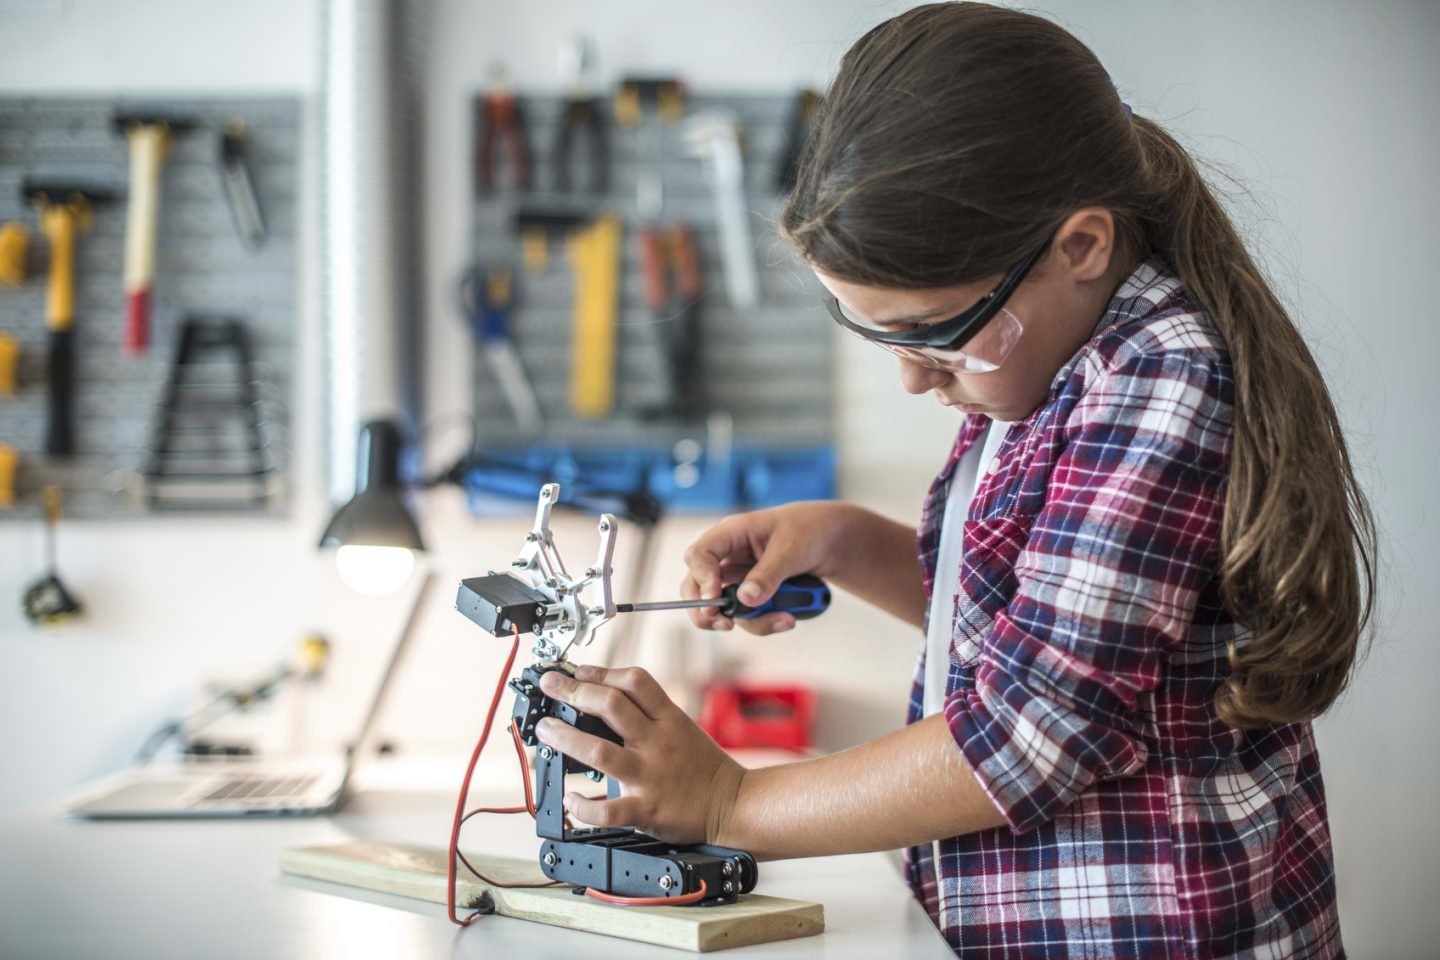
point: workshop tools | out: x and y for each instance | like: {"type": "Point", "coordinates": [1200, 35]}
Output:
{"type": "Point", "coordinates": [239, 184]}
{"type": "Point", "coordinates": [209, 450]}
{"type": "Point", "coordinates": [14, 245]}
{"type": "Point", "coordinates": [538, 596]}
{"type": "Point", "coordinates": [715, 138]}
{"type": "Point", "coordinates": [9, 364]}
{"type": "Point", "coordinates": [149, 136]}
{"type": "Point", "coordinates": [538, 228]}
{"type": "Point", "coordinates": [501, 128]}
{"type": "Point", "coordinates": [9, 467]}
{"type": "Point", "coordinates": [670, 261]}
{"type": "Point", "coordinates": [47, 602]}
{"type": "Point", "coordinates": [665, 94]}
{"type": "Point", "coordinates": [581, 119]}
{"type": "Point", "coordinates": [65, 213]}
{"type": "Point", "coordinates": [595, 256]}
{"type": "Point", "coordinates": [489, 297]}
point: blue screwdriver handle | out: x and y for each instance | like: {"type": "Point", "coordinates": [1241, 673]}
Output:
{"type": "Point", "coordinates": [804, 597]}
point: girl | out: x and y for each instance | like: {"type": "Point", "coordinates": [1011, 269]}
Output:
{"type": "Point", "coordinates": [1144, 568]}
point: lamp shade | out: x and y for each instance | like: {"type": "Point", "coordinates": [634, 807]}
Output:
{"type": "Point", "coordinates": [376, 516]}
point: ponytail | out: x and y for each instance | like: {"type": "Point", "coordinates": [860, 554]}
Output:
{"type": "Point", "coordinates": [1298, 540]}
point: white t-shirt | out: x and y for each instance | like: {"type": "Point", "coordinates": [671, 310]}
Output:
{"type": "Point", "coordinates": [973, 464]}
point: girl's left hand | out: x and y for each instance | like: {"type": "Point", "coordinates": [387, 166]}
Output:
{"type": "Point", "coordinates": [678, 785]}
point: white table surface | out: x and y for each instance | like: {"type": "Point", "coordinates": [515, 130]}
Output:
{"type": "Point", "coordinates": [156, 889]}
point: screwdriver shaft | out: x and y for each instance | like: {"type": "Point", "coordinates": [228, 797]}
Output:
{"type": "Point", "coordinates": [669, 605]}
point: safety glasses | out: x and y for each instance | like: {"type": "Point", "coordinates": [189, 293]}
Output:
{"type": "Point", "coordinates": [975, 341]}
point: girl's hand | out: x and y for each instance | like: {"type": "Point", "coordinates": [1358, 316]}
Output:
{"type": "Point", "coordinates": [763, 548]}
{"type": "Point", "coordinates": [678, 785]}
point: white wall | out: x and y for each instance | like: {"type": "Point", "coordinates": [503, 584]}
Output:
{"type": "Point", "coordinates": [1322, 109]}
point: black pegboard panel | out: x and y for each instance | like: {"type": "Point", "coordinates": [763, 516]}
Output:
{"type": "Point", "coordinates": [769, 366]}
{"type": "Point", "coordinates": [201, 267]}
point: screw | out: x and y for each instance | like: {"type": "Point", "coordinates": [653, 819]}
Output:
{"type": "Point", "coordinates": [517, 562]}
{"type": "Point", "coordinates": [539, 611]}
{"type": "Point", "coordinates": [596, 611]}
{"type": "Point", "coordinates": [546, 753]}
{"type": "Point", "coordinates": [551, 859]}
{"type": "Point", "coordinates": [666, 882]}
{"type": "Point", "coordinates": [727, 887]}
{"type": "Point", "coordinates": [595, 775]}
{"type": "Point", "coordinates": [531, 538]}
{"type": "Point", "coordinates": [727, 868]}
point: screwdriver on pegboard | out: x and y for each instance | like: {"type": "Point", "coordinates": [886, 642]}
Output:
{"type": "Point", "coordinates": [804, 597]}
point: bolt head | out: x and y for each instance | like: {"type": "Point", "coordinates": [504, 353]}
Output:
{"type": "Point", "coordinates": [727, 887]}
{"type": "Point", "coordinates": [547, 753]}
{"type": "Point", "coordinates": [727, 868]}
{"type": "Point", "coordinates": [551, 859]}
{"type": "Point", "coordinates": [595, 775]}
{"type": "Point", "coordinates": [666, 882]}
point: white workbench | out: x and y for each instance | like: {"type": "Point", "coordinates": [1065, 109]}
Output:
{"type": "Point", "coordinates": [211, 889]}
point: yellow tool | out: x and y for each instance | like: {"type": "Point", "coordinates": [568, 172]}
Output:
{"type": "Point", "coordinates": [595, 256]}
{"type": "Point", "coordinates": [666, 94]}
{"type": "Point", "coordinates": [14, 242]}
{"type": "Point", "coordinates": [9, 464]}
{"type": "Point", "coordinates": [46, 602]}
{"type": "Point", "coordinates": [9, 364]}
{"type": "Point", "coordinates": [65, 210]}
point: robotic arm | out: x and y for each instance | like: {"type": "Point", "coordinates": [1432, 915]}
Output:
{"type": "Point", "coordinates": [538, 596]}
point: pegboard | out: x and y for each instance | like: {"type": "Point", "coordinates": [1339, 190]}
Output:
{"type": "Point", "coordinates": [770, 367]}
{"type": "Point", "coordinates": [201, 268]}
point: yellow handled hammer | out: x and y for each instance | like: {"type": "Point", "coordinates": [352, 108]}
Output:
{"type": "Point", "coordinates": [64, 210]}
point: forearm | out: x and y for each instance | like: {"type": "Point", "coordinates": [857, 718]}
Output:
{"type": "Point", "coordinates": [909, 787]}
{"type": "Point", "coordinates": [877, 562]}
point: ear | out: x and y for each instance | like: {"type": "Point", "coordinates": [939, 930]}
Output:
{"type": "Point", "coordinates": [1085, 242]}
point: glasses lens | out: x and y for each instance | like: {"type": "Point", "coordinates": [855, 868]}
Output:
{"type": "Point", "coordinates": [985, 351]}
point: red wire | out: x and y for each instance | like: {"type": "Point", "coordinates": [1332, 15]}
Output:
{"type": "Point", "coordinates": [693, 897]}
{"type": "Point", "coordinates": [450, 865]}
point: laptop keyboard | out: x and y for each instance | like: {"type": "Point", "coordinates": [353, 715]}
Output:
{"type": "Point", "coordinates": [261, 788]}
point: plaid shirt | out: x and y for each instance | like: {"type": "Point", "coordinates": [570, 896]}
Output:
{"type": "Point", "coordinates": [1089, 639]}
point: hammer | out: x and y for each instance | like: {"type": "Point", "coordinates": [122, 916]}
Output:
{"type": "Point", "coordinates": [149, 136]}
{"type": "Point", "coordinates": [64, 210]}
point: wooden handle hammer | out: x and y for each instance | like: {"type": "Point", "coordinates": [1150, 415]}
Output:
{"type": "Point", "coordinates": [149, 136]}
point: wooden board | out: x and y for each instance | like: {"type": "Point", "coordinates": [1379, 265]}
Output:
{"type": "Point", "coordinates": [419, 872]}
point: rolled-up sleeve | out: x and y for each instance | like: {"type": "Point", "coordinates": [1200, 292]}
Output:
{"type": "Point", "coordinates": [1106, 584]}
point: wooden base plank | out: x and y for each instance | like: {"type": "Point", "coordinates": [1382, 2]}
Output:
{"type": "Point", "coordinates": [419, 872]}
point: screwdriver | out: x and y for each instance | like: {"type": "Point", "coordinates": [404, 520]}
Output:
{"type": "Point", "coordinates": [804, 597]}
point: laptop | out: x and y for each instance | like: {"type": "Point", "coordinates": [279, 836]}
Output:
{"type": "Point", "coordinates": [238, 786]}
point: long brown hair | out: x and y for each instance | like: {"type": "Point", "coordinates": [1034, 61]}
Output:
{"type": "Point", "coordinates": [958, 135]}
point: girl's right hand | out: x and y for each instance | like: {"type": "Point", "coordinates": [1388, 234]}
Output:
{"type": "Point", "coordinates": [762, 548]}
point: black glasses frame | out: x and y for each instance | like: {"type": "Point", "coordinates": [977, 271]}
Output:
{"type": "Point", "coordinates": [954, 333]}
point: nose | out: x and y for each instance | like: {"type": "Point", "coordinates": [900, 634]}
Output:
{"type": "Point", "coordinates": [918, 378]}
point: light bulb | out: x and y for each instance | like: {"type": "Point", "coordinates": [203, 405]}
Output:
{"type": "Point", "coordinates": [374, 571]}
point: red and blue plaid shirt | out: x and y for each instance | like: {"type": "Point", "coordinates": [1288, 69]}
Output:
{"type": "Point", "coordinates": [1089, 640]}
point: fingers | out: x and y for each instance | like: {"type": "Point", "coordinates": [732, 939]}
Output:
{"type": "Point", "coordinates": [620, 812]}
{"type": "Point", "coordinates": [608, 702]}
{"type": "Point", "coordinates": [609, 758]}
{"type": "Point", "coordinates": [636, 685]}
{"type": "Point", "coordinates": [768, 624]}
{"type": "Point", "coordinates": [706, 618]}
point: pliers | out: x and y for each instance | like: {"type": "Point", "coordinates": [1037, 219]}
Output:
{"type": "Point", "coordinates": [581, 116]}
{"type": "Point", "coordinates": [502, 126]}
